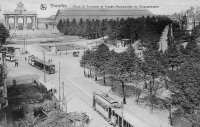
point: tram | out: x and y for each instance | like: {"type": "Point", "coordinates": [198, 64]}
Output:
{"type": "Point", "coordinates": [41, 65]}
{"type": "Point", "coordinates": [113, 112]}
{"type": "Point", "coordinates": [10, 57]}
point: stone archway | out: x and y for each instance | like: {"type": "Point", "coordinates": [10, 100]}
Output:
{"type": "Point", "coordinates": [21, 14]}
{"type": "Point", "coordinates": [29, 23]}
{"type": "Point", "coordinates": [11, 23]}
{"type": "Point", "coordinates": [20, 23]}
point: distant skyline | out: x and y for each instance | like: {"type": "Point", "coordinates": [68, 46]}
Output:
{"type": "Point", "coordinates": [165, 7]}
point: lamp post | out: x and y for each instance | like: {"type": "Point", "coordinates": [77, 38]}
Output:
{"type": "Point", "coordinates": [84, 61]}
{"type": "Point", "coordinates": [122, 107]}
{"type": "Point", "coordinates": [59, 81]}
{"type": "Point", "coordinates": [44, 67]}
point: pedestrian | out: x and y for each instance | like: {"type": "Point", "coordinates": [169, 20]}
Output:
{"type": "Point", "coordinates": [25, 58]}
{"type": "Point", "coordinates": [54, 90]}
{"type": "Point", "coordinates": [15, 63]}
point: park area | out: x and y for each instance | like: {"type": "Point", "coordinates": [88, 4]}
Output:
{"type": "Point", "coordinates": [63, 47]}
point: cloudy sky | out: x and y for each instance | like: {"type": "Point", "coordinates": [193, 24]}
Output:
{"type": "Point", "coordinates": [165, 6]}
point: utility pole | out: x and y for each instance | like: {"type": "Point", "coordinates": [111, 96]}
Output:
{"type": "Point", "coordinates": [24, 46]}
{"type": "Point", "coordinates": [63, 90]}
{"type": "Point", "coordinates": [63, 95]}
{"type": "Point", "coordinates": [26, 38]}
{"type": "Point", "coordinates": [55, 46]}
{"type": "Point", "coordinates": [84, 62]}
{"type": "Point", "coordinates": [60, 49]}
{"type": "Point", "coordinates": [59, 81]}
{"type": "Point", "coordinates": [4, 72]}
{"type": "Point", "coordinates": [44, 67]}
{"type": "Point", "coordinates": [22, 49]}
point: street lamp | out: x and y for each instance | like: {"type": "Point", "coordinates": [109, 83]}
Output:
{"type": "Point", "coordinates": [122, 107]}
{"type": "Point", "coordinates": [44, 67]}
{"type": "Point", "coordinates": [84, 61]}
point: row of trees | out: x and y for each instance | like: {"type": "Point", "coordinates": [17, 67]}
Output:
{"type": "Point", "coordinates": [176, 70]}
{"type": "Point", "coordinates": [148, 29]}
{"type": "Point", "coordinates": [4, 33]}
{"type": "Point", "coordinates": [185, 80]}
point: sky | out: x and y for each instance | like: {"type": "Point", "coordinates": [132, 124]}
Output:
{"type": "Point", "coordinates": [165, 7]}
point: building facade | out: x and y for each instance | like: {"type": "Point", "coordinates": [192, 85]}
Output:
{"type": "Point", "coordinates": [100, 13]}
{"type": "Point", "coordinates": [47, 23]}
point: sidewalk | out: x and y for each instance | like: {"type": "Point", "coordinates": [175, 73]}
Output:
{"type": "Point", "coordinates": [163, 40]}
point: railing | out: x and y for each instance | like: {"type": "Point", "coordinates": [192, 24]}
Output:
{"type": "Point", "coordinates": [26, 81]}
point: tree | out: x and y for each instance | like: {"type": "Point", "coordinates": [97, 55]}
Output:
{"type": "Point", "coordinates": [173, 59]}
{"type": "Point", "coordinates": [73, 27]}
{"type": "Point", "coordinates": [116, 68]}
{"type": "Point", "coordinates": [87, 28]}
{"type": "Point", "coordinates": [86, 60]}
{"type": "Point", "coordinates": [110, 69]}
{"type": "Point", "coordinates": [101, 58]}
{"type": "Point", "coordinates": [192, 50]}
{"type": "Point", "coordinates": [66, 27]}
{"type": "Point", "coordinates": [103, 28]}
{"type": "Point", "coordinates": [135, 73]}
{"type": "Point", "coordinates": [186, 91]}
{"type": "Point", "coordinates": [4, 33]}
{"type": "Point", "coordinates": [80, 29]}
{"type": "Point", "coordinates": [154, 73]}
{"type": "Point", "coordinates": [196, 32]}
{"type": "Point", "coordinates": [122, 67]}
{"type": "Point", "coordinates": [60, 26]}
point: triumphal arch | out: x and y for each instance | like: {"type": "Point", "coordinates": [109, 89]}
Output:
{"type": "Point", "coordinates": [20, 13]}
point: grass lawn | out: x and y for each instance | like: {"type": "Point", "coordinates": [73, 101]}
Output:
{"type": "Point", "coordinates": [64, 47]}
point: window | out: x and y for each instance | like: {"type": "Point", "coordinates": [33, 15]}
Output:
{"type": "Point", "coordinates": [120, 122]}
{"type": "Point", "coordinates": [125, 124]}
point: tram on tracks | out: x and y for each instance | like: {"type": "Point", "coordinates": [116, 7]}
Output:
{"type": "Point", "coordinates": [113, 112]}
{"type": "Point", "coordinates": [41, 65]}
{"type": "Point", "coordinates": [10, 57]}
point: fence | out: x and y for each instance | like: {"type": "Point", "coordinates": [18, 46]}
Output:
{"type": "Point", "coordinates": [26, 81]}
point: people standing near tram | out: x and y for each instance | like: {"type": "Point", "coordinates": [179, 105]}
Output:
{"type": "Point", "coordinates": [17, 63]}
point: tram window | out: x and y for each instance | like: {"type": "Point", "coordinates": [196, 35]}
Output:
{"type": "Point", "coordinates": [113, 113]}
{"type": "Point", "coordinates": [117, 121]}
{"type": "Point", "coordinates": [120, 122]}
{"type": "Point", "coordinates": [125, 124]}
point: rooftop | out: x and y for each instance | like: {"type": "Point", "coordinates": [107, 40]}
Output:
{"type": "Point", "coordinates": [101, 13]}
